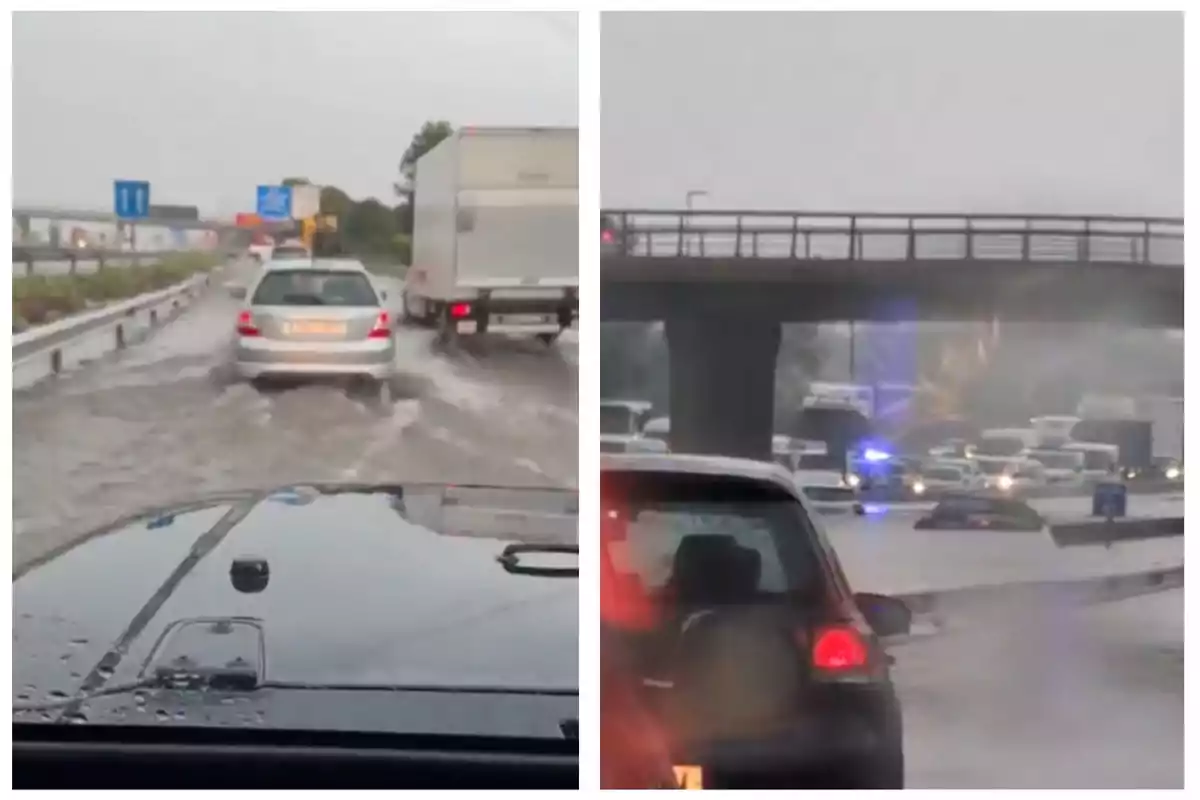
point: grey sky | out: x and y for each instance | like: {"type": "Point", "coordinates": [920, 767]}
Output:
{"type": "Point", "coordinates": [207, 105]}
{"type": "Point", "coordinates": [935, 111]}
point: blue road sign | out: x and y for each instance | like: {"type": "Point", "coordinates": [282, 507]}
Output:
{"type": "Point", "coordinates": [131, 199]}
{"type": "Point", "coordinates": [274, 202]}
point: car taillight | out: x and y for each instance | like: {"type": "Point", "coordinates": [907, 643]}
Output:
{"type": "Point", "coordinates": [838, 649]}
{"type": "Point", "coordinates": [382, 329]}
{"type": "Point", "coordinates": [607, 237]}
{"type": "Point", "coordinates": [460, 310]}
{"type": "Point", "coordinates": [246, 326]}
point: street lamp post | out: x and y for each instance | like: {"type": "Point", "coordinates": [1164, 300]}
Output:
{"type": "Point", "coordinates": [688, 198]}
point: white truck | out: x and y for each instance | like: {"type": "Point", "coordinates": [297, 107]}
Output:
{"type": "Point", "coordinates": [496, 234]}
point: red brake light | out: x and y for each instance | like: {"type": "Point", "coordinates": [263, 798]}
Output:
{"type": "Point", "coordinates": [382, 329]}
{"type": "Point", "coordinates": [606, 236]}
{"type": "Point", "coordinates": [246, 326]}
{"type": "Point", "coordinates": [460, 310]}
{"type": "Point", "coordinates": [838, 649]}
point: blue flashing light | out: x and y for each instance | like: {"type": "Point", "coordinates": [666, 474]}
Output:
{"type": "Point", "coordinates": [875, 456]}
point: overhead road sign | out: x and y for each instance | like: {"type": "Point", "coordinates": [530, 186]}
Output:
{"type": "Point", "coordinates": [274, 202]}
{"type": "Point", "coordinates": [131, 199]}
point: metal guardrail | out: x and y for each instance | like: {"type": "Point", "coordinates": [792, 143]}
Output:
{"type": "Point", "coordinates": [939, 609]}
{"type": "Point", "coordinates": [26, 259]}
{"type": "Point", "coordinates": [44, 349]}
{"type": "Point", "coordinates": [93, 215]}
{"type": "Point", "coordinates": [895, 237]}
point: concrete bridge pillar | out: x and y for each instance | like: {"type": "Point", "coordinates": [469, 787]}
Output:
{"type": "Point", "coordinates": [722, 384]}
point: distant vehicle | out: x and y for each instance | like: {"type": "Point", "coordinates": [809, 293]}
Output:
{"type": "Point", "coordinates": [624, 417]}
{"type": "Point", "coordinates": [1062, 467]}
{"type": "Point", "coordinates": [262, 245]}
{"type": "Point", "coordinates": [1099, 460]}
{"type": "Point", "coordinates": [221, 618]}
{"type": "Point", "coordinates": [623, 443]}
{"type": "Point", "coordinates": [496, 234]}
{"type": "Point", "coordinates": [829, 493]}
{"type": "Point", "coordinates": [1011, 474]}
{"type": "Point", "coordinates": [315, 320]}
{"type": "Point", "coordinates": [291, 249]}
{"type": "Point", "coordinates": [1052, 432]}
{"type": "Point", "coordinates": [1134, 439]}
{"type": "Point", "coordinates": [953, 448]}
{"type": "Point", "coordinates": [1005, 442]}
{"type": "Point", "coordinates": [941, 476]}
{"type": "Point", "coordinates": [658, 428]}
{"type": "Point", "coordinates": [747, 595]}
{"type": "Point", "coordinates": [981, 510]}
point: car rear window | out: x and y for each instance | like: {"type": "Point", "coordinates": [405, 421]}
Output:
{"type": "Point", "coordinates": [709, 540]}
{"type": "Point", "coordinates": [310, 287]}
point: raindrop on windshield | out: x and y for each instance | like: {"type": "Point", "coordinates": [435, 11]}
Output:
{"type": "Point", "coordinates": [24, 696]}
{"type": "Point", "coordinates": [104, 672]}
{"type": "Point", "coordinates": [79, 642]}
{"type": "Point", "coordinates": [76, 718]}
{"type": "Point", "coordinates": [139, 699]}
{"type": "Point", "coordinates": [181, 714]}
{"type": "Point", "coordinates": [57, 694]}
{"type": "Point", "coordinates": [161, 715]}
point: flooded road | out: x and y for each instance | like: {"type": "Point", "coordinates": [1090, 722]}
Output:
{"type": "Point", "coordinates": [161, 422]}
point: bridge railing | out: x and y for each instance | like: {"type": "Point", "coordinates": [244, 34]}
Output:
{"type": "Point", "coordinates": [895, 237]}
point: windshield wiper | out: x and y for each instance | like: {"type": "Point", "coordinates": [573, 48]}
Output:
{"type": "Point", "coordinates": [510, 559]}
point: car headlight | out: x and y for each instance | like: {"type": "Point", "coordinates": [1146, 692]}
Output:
{"type": "Point", "coordinates": [918, 487]}
{"type": "Point", "coordinates": [1173, 473]}
{"type": "Point", "coordinates": [1005, 482]}
{"type": "Point", "coordinates": [853, 481]}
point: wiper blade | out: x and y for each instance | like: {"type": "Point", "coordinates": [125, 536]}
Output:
{"type": "Point", "coordinates": [510, 559]}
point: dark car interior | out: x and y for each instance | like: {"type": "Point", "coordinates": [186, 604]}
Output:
{"type": "Point", "coordinates": [161, 757]}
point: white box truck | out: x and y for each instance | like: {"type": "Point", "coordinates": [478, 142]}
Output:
{"type": "Point", "coordinates": [496, 234]}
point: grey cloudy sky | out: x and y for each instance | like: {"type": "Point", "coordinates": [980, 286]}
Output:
{"type": "Point", "coordinates": [208, 105]}
{"type": "Point", "coordinates": [935, 111]}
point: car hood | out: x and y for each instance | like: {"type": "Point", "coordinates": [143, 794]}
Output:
{"type": "Point", "coordinates": [364, 587]}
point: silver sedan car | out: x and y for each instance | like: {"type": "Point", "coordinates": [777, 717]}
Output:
{"type": "Point", "coordinates": [314, 319]}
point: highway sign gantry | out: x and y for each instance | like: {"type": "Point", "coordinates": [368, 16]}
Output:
{"type": "Point", "coordinates": [131, 199]}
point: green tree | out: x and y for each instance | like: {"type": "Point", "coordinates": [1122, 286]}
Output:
{"type": "Point", "coordinates": [297, 182]}
{"type": "Point", "coordinates": [428, 137]}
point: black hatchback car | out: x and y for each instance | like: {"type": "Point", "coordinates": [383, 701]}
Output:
{"type": "Point", "coordinates": [766, 669]}
{"type": "Point", "coordinates": [983, 510]}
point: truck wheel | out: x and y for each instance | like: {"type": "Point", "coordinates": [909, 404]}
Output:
{"type": "Point", "coordinates": [407, 314]}
{"type": "Point", "coordinates": [447, 334]}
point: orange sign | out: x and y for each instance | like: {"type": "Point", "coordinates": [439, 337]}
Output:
{"type": "Point", "coordinates": [247, 219]}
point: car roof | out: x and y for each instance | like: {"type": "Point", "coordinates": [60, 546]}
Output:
{"type": "Point", "coordinates": [691, 464]}
{"type": "Point", "coordinates": [326, 264]}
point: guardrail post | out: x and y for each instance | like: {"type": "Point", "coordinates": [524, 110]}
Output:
{"type": "Point", "coordinates": [120, 336]}
{"type": "Point", "coordinates": [1084, 251]}
{"type": "Point", "coordinates": [910, 243]}
{"type": "Point", "coordinates": [74, 263]}
{"type": "Point", "coordinates": [1146, 242]}
{"type": "Point", "coordinates": [153, 316]}
{"type": "Point", "coordinates": [737, 241]}
{"type": "Point", "coordinates": [56, 361]}
{"type": "Point", "coordinates": [853, 238]}
{"type": "Point", "coordinates": [795, 233]}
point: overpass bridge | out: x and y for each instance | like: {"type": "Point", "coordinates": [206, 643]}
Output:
{"type": "Point", "coordinates": [723, 282]}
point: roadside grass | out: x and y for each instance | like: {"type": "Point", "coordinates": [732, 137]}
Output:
{"type": "Point", "coordinates": [40, 299]}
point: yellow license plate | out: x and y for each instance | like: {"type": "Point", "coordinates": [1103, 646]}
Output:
{"type": "Point", "coordinates": [689, 777]}
{"type": "Point", "coordinates": [315, 327]}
